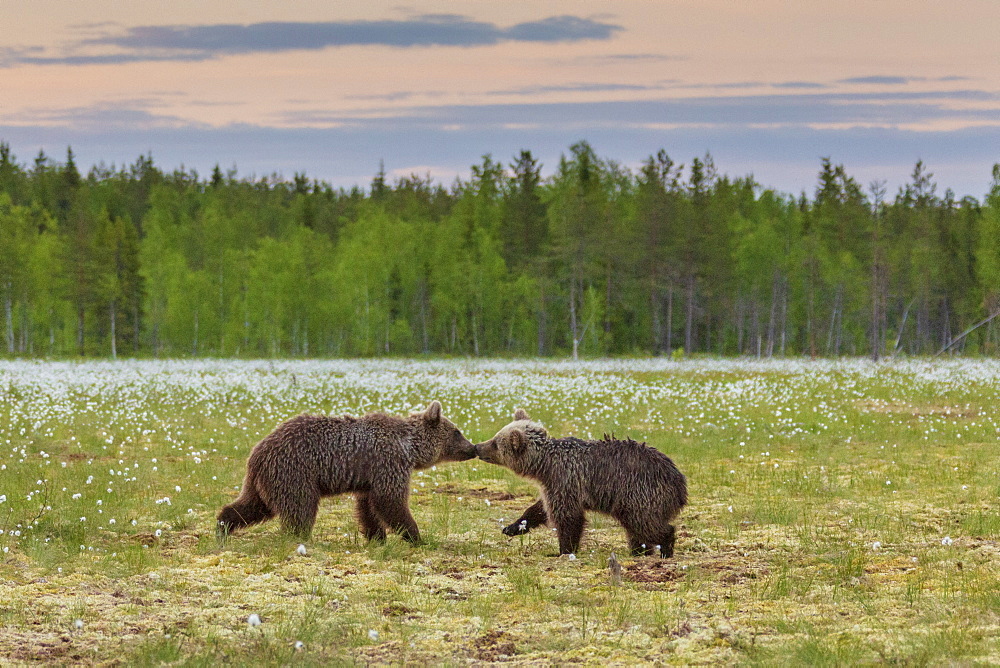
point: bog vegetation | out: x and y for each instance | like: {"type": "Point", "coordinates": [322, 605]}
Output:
{"type": "Point", "coordinates": [842, 512]}
{"type": "Point", "coordinates": [594, 259]}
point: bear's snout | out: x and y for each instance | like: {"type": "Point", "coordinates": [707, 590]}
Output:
{"type": "Point", "coordinates": [485, 451]}
{"type": "Point", "coordinates": [467, 450]}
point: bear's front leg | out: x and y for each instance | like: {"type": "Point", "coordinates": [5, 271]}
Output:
{"type": "Point", "coordinates": [569, 524]}
{"type": "Point", "coordinates": [534, 516]}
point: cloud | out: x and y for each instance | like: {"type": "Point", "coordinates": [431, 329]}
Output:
{"type": "Point", "coordinates": [860, 109]}
{"type": "Point", "coordinates": [574, 88]}
{"type": "Point", "coordinates": [878, 80]}
{"type": "Point", "coordinates": [126, 115]}
{"type": "Point", "coordinates": [203, 42]}
{"type": "Point", "coordinates": [799, 84]}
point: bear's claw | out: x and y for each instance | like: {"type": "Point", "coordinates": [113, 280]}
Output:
{"type": "Point", "coordinates": [515, 529]}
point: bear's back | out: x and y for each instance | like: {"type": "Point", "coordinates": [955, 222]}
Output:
{"type": "Point", "coordinates": [318, 439]}
{"type": "Point", "coordinates": [627, 467]}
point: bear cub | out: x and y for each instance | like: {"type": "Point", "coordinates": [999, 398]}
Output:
{"type": "Point", "coordinates": [312, 456]}
{"type": "Point", "coordinates": [637, 485]}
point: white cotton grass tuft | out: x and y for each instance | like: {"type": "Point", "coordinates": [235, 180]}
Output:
{"type": "Point", "coordinates": [78, 623]}
{"type": "Point", "coordinates": [877, 545]}
{"type": "Point", "coordinates": [253, 620]}
{"type": "Point", "coordinates": [947, 540]}
{"type": "Point", "coordinates": [301, 549]}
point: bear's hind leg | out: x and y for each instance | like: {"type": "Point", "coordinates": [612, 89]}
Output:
{"type": "Point", "coordinates": [370, 523]}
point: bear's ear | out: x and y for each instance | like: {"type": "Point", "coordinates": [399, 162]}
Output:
{"type": "Point", "coordinates": [518, 441]}
{"type": "Point", "coordinates": [433, 412]}
{"type": "Point", "coordinates": [521, 414]}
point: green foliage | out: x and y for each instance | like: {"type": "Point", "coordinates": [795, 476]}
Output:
{"type": "Point", "coordinates": [593, 260]}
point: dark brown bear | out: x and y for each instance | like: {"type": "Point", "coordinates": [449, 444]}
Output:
{"type": "Point", "coordinates": [312, 456]}
{"type": "Point", "coordinates": [632, 482]}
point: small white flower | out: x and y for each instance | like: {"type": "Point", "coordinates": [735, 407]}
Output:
{"type": "Point", "coordinates": [253, 620]}
{"type": "Point", "coordinates": [373, 635]}
{"type": "Point", "coordinates": [78, 623]}
{"type": "Point", "coordinates": [876, 545]}
{"type": "Point", "coordinates": [730, 509]}
{"type": "Point", "coordinates": [158, 533]}
{"type": "Point", "coordinates": [301, 549]}
{"type": "Point", "coordinates": [177, 488]}
{"type": "Point", "coordinates": [299, 645]}
{"type": "Point", "coordinates": [947, 540]}
{"type": "Point", "coordinates": [488, 502]}
{"type": "Point", "coordinates": [571, 557]}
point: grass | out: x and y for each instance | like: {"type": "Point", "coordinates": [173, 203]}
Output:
{"type": "Point", "coordinates": [841, 513]}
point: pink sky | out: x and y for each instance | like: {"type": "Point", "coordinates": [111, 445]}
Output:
{"type": "Point", "coordinates": [332, 88]}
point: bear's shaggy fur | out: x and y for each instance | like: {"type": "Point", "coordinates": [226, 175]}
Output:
{"type": "Point", "coordinates": [637, 485]}
{"type": "Point", "coordinates": [312, 456]}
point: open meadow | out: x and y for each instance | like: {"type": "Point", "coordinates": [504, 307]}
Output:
{"type": "Point", "coordinates": [840, 512]}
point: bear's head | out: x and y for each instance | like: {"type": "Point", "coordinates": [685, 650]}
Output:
{"type": "Point", "coordinates": [441, 437]}
{"type": "Point", "coordinates": [512, 444]}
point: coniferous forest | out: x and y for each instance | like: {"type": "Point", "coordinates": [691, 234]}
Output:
{"type": "Point", "coordinates": [593, 260]}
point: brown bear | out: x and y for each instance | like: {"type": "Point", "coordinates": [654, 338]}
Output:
{"type": "Point", "coordinates": [312, 456]}
{"type": "Point", "coordinates": [637, 485]}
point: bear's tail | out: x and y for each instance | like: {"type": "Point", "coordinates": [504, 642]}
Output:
{"type": "Point", "coordinates": [248, 509]}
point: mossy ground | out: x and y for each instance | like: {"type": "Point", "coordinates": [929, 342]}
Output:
{"type": "Point", "coordinates": [840, 513]}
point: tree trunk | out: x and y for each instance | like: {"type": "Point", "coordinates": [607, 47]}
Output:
{"type": "Point", "coordinates": [670, 317]}
{"type": "Point", "coordinates": [689, 323]}
{"type": "Point", "coordinates": [607, 304]}
{"type": "Point", "coordinates": [740, 316]}
{"type": "Point", "coordinates": [572, 317]}
{"type": "Point", "coordinates": [114, 343]}
{"type": "Point", "coordinates": [79, 328]}
{"type": "Point", "coordinates": [475, 336]}
{"type": "Point", "coordinates": [541, 323]}
{"type": "Point", "coordinates": [772, 319]}
{"type": "Point", "coordinates": [423, 318]}
{"type": "Point", "coordinates": [135, 331]}
{"type": "Point", "coordinates": [9, 314]}
{"type": "Point", "coordinates": [654, 311]}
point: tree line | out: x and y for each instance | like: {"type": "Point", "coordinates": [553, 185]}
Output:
{"type": "Point", "coordinates": [595, 259]}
